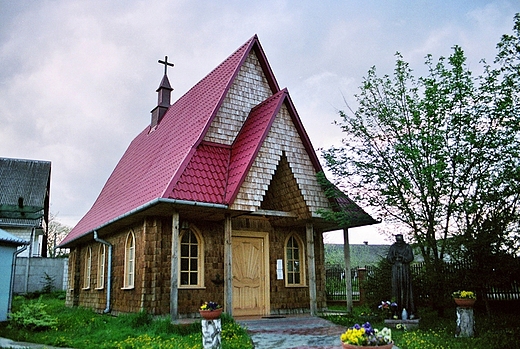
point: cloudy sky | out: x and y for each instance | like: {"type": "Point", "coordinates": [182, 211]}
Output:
{"type": "Point", "coordinates": [78, 78]}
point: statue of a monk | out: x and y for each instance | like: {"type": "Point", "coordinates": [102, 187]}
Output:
{"type": "Point", "coordinates": [400, 255]}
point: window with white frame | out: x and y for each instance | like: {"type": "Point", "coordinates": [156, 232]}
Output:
{"type": "Point", "coordinates": [129, 277]}
{"type": "Point", "coordinates": [294, 261]}
{"type": "Point", "coordinates": [88, 267]}
{"type": "Point", "coordinates": [101, 266]}
{"type": "Point", "coordinates": [191, 259]}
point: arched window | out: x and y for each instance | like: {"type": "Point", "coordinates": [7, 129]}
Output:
{"type": "Point", "coordinates": [101, 266]}
{"type": "Point", "coordinates": [294, 262]}
{"type": "Point", "coordinates": [191, 261]}
{"type": "Point", "coordinates": [129, 277]}
{"type": "Point", "coordinates": [87, 270]}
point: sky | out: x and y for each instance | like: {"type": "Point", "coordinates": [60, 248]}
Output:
{"type": "Point", "coordinates": [78, 78]}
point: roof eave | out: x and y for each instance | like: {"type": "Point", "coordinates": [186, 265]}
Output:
{"type": "Point", "coordinates": [141, 208]}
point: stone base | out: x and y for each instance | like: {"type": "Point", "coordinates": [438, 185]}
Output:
{"type": "Point", "coordinates": [211, 334]}
{"type": "Point", "coordinates": [465, 322]}
{"type": "Point", "coordinates": [409, 324]}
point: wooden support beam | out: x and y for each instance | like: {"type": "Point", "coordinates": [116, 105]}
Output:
{"type": "Point", "coordinates": [272, 213]}
{"type": "Point", "coordinates": [348, 273]}
{"type": "Point", "coordinates": [174, 286]}
{"type": "Point", "coordinates": [311, 267]}
{"type": "Point", "coordinates": [228, 266]}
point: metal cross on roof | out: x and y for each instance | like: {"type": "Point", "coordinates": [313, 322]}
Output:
{"type": "Point", "coordinates": [166, 64]}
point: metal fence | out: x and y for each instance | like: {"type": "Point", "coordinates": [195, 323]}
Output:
{"type": "Point", "coordinates": [336, 286]}
{"type": "Point", "coordinates": [336, 289]}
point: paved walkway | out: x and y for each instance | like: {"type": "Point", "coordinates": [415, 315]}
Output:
{"type": "Point", "coordinates": [294, 332]}
{"type": "Point", "coordinates": [7, 343]}
{"type": "Point", "coordinates": [302, 332]}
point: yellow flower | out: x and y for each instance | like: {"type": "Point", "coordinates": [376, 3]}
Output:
{"type": "Point", "coordinates": [353, 336]}
{"type": "Point", "coordinates": [464, 295]}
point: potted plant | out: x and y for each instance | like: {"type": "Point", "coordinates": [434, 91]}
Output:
{"type": "Point", "coordinates": [388, 309]}
{"type": "Point", "coordinates": [366, 337]}
{"type": "Point", "coordinates": [465, 299]}
{"type": "Point", "coordinates": [210, 310]}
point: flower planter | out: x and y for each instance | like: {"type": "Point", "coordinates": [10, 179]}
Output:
{"type": "Point", "coordinates": [210, 314]}
{"type": "Point", "coordinates": [465, 302]}
{"type": "Point", "coordinates": [351, 346]}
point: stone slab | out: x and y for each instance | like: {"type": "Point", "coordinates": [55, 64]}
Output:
{"type": "Point", "coordinates": [410, 324]}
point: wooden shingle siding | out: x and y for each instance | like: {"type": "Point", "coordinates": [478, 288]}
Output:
{"type": "Point", "coordinates": [249, 89]}
{"type": "Point", "coordinates": [282, 138]}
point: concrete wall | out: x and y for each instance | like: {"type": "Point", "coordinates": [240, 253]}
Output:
{"type": "Point", "coordinates": [6, 261]}
{"type": "Point", "coordinates": [54, 267]}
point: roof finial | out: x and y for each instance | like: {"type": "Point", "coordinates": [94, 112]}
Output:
{"type": "Point", "coordinates": [166, 64]}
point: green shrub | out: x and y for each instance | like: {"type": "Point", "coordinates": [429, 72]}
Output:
{"type": "Point", "coordinates": [33, 316]}
{"type": "Point", "coordinates": [138, 320]}
{"type": "Point", "coordinates": [48, 283]}
{"type": "Point", "coordinates": [378, 284]}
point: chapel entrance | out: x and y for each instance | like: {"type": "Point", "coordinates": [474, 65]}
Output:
{"type": "Point", "coordinates": [250, 278]}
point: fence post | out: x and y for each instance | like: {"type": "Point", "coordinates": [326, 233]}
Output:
{"type": "Point", "coordinates": [361, 278]}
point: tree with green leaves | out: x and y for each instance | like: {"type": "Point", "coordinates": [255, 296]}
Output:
{"type": "Point", "coordinates": [438, 154]}
{"type": "Point", "coordinates": [56, 231]}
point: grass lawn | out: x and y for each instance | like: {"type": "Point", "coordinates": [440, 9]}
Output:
{"type": "Point", "coordinates": [82, 328]}
{"type": "Point", "coordinates": [498, 331]}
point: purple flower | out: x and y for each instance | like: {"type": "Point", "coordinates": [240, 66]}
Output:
{"type": "Point", "coordinates": [357, 327]}
{"type": "Point", "coordinates": [368, 328]}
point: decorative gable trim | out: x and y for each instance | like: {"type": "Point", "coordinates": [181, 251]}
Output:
{"type": "Point", "coordinates": [252, 45]}
{"type": "Point", "coordinates": [249, 140]}
{"type": "Point", "coordinates": [281, 136]}
{"type": "Point", "coordinates": [243, 53]}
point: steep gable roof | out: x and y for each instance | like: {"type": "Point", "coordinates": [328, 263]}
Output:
{"type": "Point", "coordinates": [156, 159]}
{"type": "Point", "coordinates": [251, 136]}
{"type": "Point", "coordinates": [174, 161]}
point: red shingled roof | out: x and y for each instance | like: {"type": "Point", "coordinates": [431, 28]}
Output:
{"type": "Point", "coordinates": [170, 161]}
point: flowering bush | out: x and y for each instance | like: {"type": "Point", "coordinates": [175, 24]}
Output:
{"type": "Point", "coordinates": [210, 306]}
{"type": "Point", "coordinates": [464, 295]}
{"type": "Point", "coordinates": [388, 309]}
{"type": "Point", "coordinates": [365, 335]}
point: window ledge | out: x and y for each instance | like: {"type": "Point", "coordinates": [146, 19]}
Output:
{"type": "Point", "coordinates": [127, 288]}
{"type": "Point", "coordinates": [100, 288]}
{"type": "Point", "coordinates": [192, 287]}
{"type": "Point", "coordinates": [295, 286]}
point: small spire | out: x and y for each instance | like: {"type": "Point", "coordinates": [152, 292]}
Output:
{"type": "Point", "coordinates": [163, 95]}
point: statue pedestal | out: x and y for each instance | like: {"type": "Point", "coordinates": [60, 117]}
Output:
{"type": "Point", "coordinates": [211, 334]}
{"type": "Point", "coordinates": [408, 324]}
{"type": "Point", "coordinates": [465, 322]}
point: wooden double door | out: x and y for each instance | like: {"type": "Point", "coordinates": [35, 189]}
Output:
{"type": "Point", "coordinates": [250, 253]}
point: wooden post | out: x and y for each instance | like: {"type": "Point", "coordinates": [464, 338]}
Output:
{"type": "Point", "coordinates": [311, 268]}
{"type": "Point", "coordinates": [228, 266]}
{"type": "Point", "coordinates": [465, 322]}
{"type": "Point", "coordinates": [211, 338]}
{"type": "Point", "coordinates": [174, 277]}
{"type": "Point", "coordinates": [348, 272]}
{"type": "Point", "coordinates": [361, 278]}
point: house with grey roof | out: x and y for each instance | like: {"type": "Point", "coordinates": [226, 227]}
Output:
{"type": "Point", "coordinates": [24, 201]}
